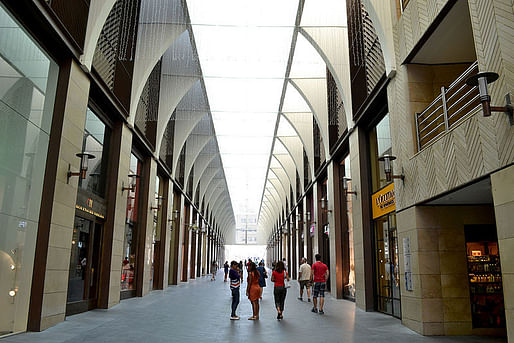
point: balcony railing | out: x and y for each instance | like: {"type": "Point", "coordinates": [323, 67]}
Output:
{"type": "Point", "coordinates": [454, 104]}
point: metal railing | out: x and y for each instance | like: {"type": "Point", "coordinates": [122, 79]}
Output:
{"type": "Point", "coordinates": [454, 104]}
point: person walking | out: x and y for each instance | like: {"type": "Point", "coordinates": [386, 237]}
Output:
{"type": "Point", "coordinates": [319, 275]}
{"type": "Point", "coordinates": [304, 279]}
{"type": "Point", "coordinates": [241, 269]}
{"type": "Point", "coordinates": [279, 276]}
{"type": "Point", "coordinates": [225, 267]}
{"type": "Point", "coordinates": [235, 283]}
{"type": "Point", "coordinates": [263, 276]}
{"type": "Point", "coordinates": [214, 269]}
{"type": "Point", "coordinates": [253, 290]}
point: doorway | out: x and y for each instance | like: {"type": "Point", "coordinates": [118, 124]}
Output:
{"type": "Point", "coordinates": [387, 272]}
{"type": "Point", "coordinates": [84, 269]}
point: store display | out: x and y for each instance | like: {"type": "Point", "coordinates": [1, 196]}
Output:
{"type": "Point", "coordinates": [485, 285]}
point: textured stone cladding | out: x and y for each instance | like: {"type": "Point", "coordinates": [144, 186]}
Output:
{"type": "Point", "coordinates": [478, 145]}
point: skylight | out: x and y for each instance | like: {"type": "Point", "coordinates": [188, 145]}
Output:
{"type": "Point", "coordinates": [243, 47]}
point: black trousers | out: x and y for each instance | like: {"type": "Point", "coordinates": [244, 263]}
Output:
{"type": "Point", "coordinates": [280, 297]}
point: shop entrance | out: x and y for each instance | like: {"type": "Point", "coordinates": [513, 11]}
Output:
{"type": "Point", "coordinates": [387, 272]}
{"type": "Point", "coordinates": [84, 266]}
{"type": "Point", "coordinates": [485, 277]}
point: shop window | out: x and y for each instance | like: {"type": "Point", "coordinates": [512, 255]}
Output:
{"type": "Point", "coordinates": [96, 142]}
{"type": "Point", "coordinates": [130, 242]}
{"type": "Point", "coordinates": [380, 145]}
{"type": "Point", "coordinates": [28, 79]}
{"type": "Point", "coordinates": [485, 277]}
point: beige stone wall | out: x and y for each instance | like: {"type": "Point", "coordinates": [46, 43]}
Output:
{"type": "Point", "coordinates": [61, 227]}
{"type": "Point", "coordinates": [477, 146]}
{"type": "Point", "coordinates": [120, 215]}
{"type": "Point", "coordinates": [439, 303]}
{"type": "Point", "coordinates": [503, 196]}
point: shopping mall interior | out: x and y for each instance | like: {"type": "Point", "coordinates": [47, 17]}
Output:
{"type": "Point", "coordinates": [144, 143]}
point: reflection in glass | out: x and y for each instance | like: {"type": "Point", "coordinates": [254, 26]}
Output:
{"type": "Point", "coordinates": [96, 142]}
{"type": "Point", "coordinates": [380, 145]}
{"type": "Point", "coordinates": [128, 264]}
{"type": "Point", "coordinates": [78, 259]}
{"type": "Point", "coordinates": [27, 92]}
{"type": "Point", "coordinates": [349, 287]}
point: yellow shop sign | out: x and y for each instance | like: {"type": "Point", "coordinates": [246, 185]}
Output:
{"type": "Point", "coordinates": [383, 201]}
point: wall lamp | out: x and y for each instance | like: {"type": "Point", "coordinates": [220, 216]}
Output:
{"type": "Point", "coordinates": [158, 204]}
{"type": "Point", "coordinates": [388, 167]}
{"type": "Point", "coordinates": [481, 80]}
{"type": "Point", "coordinates": [307, 216]}
{"type": "Point", "coordinates": [324, 205]}
{"type": "Point", "coordinates": [132, 183]}
{"type": "Point", "coordinates": [173, 219]}
{"type": "Point", "coordinates": [84, 161]}
{"type": "Point", "coordinates": [346, 180]}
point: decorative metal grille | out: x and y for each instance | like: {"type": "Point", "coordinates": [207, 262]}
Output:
{"type": "Point", "coordinates": [182, 166]}
{"type": "Point", "coordinates": [190, 183]}
{"type": "Point", "coordinates": [166, 153]}
{"type": "Point", "coordinates": [306, 170]}
{"type": "Point", "coordinates": [299, 191]}
{"type": "Point", "coordinates": [374, 59]}
{"type": "Point", "coordinates": [117, 40]}
{"type": "Point", "coordinates": [336, 114]}
{"type": "Point", "coordinates": [367, 65]}
{"type": "Point", "coordinates": [148, 105]}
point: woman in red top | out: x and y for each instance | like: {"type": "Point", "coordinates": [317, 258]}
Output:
{"type": "Point", "coordinates": [253, 290]}
{"type": "Point", "coordinates": [280, 291]}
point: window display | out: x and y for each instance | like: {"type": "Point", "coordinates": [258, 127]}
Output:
{"type": "Point", "coordinates": [485, 279]}
{"type": "Point", "coordinates": [128, 264]}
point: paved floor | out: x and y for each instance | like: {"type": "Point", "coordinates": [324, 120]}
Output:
{"type": "Point", "coordinates": [199, 311]}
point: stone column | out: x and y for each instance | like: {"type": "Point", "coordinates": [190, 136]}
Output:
{"type": "Point", "coordinates": [503, 197]}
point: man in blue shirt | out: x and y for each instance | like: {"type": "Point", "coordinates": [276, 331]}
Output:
{"type": "Point", "coordinates": [235, 283]}
{"type": "Point", "coordinates": [264, 275]}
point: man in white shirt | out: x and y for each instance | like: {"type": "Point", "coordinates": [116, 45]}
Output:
{"type": "Point", "coordinates": [304, 278]}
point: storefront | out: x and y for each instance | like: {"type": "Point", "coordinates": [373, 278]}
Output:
{"type": "Point", "coordinates": [28, 80]}
{"type": "Point", "coordinates": [383, 206]}
{"type": "Point", "coordinates": [90, 211]}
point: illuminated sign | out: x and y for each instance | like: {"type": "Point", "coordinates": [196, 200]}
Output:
{"type": "Point", "coordinates": [312, 229]}
{"type": "Point", "coordinates": [87, 210]}
{"type": "Point", "coordinates": [383, 201]}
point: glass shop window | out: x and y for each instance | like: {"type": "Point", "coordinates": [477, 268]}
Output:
{"type": "Point", "coordinates": [380, 145]}
{"type": "Point", "coordinates": [96, 142]}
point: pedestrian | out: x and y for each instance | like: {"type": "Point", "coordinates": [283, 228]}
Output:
{"type": "Point", "coordinates": [241, 269]}
{"type": "Point", "coordinates": [273, 265]}
{"type": "Point", "coordinates": [320, 276]}
{"type": "Point", "coordinates": [235, 283]}
{"type": "Point", "coordinates": [214, 269]}
{"type": "Point", "coordinates": [253, 291]}
{"type": "Point", "coordinates": [278, 277]}
{"type": "Point", "coordinates": [304, 279]}
{"type": "Point", "coordinates": [285, 264]}
{"type": "Point", "coordinates": [225, 267]}
{"type": "Point", "coordinates": [263, 276]}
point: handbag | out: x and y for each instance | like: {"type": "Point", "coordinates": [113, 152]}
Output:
{"type": "Point", "coordinates": [287, 284]}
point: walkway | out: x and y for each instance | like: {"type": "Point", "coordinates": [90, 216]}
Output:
{"type": "Point", "coordinates": [198, 311]}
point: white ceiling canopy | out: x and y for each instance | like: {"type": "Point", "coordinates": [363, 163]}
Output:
{"type": "Point", "coordinates": [243, 47]}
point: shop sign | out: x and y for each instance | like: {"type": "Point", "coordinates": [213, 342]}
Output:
{"type": "Point", "coordinates": [90, 211]}
{"type": "Point", "coordinates": [383, 201]}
